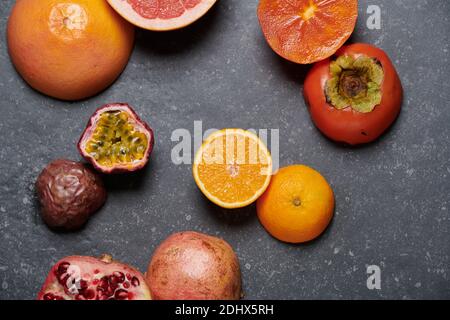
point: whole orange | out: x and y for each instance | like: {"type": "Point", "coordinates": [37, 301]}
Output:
{"type": "Point", "coordinates": [68, 49]}
{"type": "Point", "coordinates": [297, 206]}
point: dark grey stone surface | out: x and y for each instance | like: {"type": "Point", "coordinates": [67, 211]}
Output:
{"type": "Point", "coordinates": [392, 197]}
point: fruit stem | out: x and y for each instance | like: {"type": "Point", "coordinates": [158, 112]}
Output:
{"type": "Point", "coordinates": [106, 258]}
{"type": "Point", "coordinates": [352, 84]}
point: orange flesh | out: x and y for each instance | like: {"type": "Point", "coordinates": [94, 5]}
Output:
{"type": "Point", "coordinates": [233, 168]}
{"type": "Point", "coordinates": [162, 9]}
{"type": "Point", "coordinates": [306, 31]}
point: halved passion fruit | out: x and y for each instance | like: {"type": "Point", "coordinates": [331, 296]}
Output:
{"type": "Point", "coordinates": [116, 140]}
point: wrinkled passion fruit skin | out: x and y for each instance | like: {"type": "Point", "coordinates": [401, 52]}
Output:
{"type": "Point", "coordinates": [69, 192]}
{"type": "Point", "coordinates": [141, 125]}
{"type": "Point", "coordinates": [194, 266]}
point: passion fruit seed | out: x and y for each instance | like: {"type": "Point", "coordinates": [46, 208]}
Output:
{"type": "Point", "coordinates": [355, 83]}
{"type": "Point", "coordinates": [115, 140]}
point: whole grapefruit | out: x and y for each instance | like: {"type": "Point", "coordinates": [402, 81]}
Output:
{"type": "Point", "coordinates": [68, 49]}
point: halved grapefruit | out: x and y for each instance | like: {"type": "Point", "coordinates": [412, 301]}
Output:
{"type": "Point", "coordinates": [162, 15]}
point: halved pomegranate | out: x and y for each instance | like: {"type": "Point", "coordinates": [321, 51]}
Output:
{"type": "Point", "coordinates": [88, 278]}
{"type": "Point", "coordinates": [116, 139]}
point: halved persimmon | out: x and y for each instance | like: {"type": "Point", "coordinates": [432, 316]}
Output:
{"type": "Point", "coordinates": [307, 31]}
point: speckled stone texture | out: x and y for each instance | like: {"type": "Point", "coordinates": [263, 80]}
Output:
{"type": "Point", "coordinates": [392, 197]}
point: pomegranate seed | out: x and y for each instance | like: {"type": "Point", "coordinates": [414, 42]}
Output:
{"type": "Point", "coordinates": [48, 296]}
{"type": "Point", "coordinates": [121, 294]}
{"type": "Point", "coordinates": [63, 280]}
{"type": "Point", "coordinates": [83, 284]}
{"type": "Point", "coordinates": [109, 292]}
{"type": "Point", "coordinates": [120, 277]}
{"type": "Point", "coordinates": [96, 271]}
{"type": "Point", "coordinates": [95, 282]}
{"type": "Point", "coordinates": [51, 296]}
{"type": "Point", "coordinates": [128, 276]}
{"type": "Point", "coordinates": [112, 279]}
{"type": "Point", "coordinates": [62, 268]}
{"type": "Point", "coordinates": [135, 282]}
{"type": "Point", "coordinates": [113, 287]}
{"type": "Point", "coordinates": [102, 297]}
{"type": "Point", "coordinates": [103, 285]}
{"type": "Point", "coordinates": [126, 285]}
{"type": "Point", "coordinates": [89, 294]}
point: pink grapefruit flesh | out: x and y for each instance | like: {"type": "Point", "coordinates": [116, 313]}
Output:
{"type": "Point", "coordinates": [162, 15]}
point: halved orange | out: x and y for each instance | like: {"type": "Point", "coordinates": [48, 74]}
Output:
{"type": "Point", "coordinates": [232, 168]}
{"type": "Point", "coordinates": [307, 31]}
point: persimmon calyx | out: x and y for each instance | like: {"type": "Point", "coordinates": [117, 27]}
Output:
{"type": "Point", "coordinates": [355, 83]}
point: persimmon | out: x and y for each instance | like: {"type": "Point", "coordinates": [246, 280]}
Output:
{"type": "Point", "coordinates": [354, 97]}
{"type": "Point", "coordinates": [306, 31]}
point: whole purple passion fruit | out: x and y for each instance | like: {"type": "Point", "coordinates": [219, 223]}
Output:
{"type": "Point", "coordinates": [69, 192]}
{"type": "Point", "coordinates": [116, 140]}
